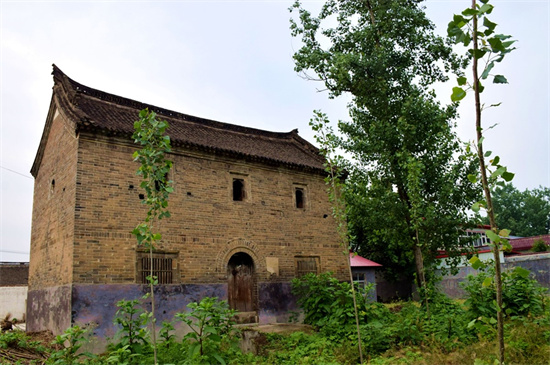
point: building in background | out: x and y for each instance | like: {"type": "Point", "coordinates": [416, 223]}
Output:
{"type": "Point", "coordinates": [14, 279]}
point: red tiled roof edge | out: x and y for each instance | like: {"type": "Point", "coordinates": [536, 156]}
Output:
{"type": "Point", "coordinates": [358, 261]}
{"type": "Point", "coordinates": [526, 243]}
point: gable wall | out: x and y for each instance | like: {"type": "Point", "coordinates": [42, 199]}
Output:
{"type": "Point", "coordinates": [206, 226]}
{"type": "Point", "coordinates": [53, 208]}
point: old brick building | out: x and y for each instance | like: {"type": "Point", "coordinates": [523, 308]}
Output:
{"type": "Point", "coordinates": [249, 213]}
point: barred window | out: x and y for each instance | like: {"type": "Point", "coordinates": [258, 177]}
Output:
{"type": "Point", "coordinates": [306, 265]}
{"type": "Point", "coordinates": [164, 267]}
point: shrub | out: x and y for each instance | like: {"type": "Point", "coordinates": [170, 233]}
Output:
{"type": "Point", "coordinates": [68, 345]}
{"type": "Point", "coordinates": [539, 246]}
{"type": "Point", "coordinates": [133, 336]}
{"type": "Point", "coordinates": [521, 294]}
{"type": "Point", "coordinates": [211, 323]}
{"type": "Point", "coordinates": [328, 303]}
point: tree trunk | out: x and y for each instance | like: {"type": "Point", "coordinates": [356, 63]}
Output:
{"type": "Point", "coordinates": [495, 247]}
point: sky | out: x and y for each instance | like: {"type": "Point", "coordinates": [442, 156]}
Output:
{"type": "Point", "coordinates": [229, 61]}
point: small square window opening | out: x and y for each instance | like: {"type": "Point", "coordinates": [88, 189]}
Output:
{"type": "Point", "coordinates": [238, 190]}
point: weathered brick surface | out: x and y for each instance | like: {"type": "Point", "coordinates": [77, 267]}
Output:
{"type": "Point", "coordinates": [14, 273]}
{"type": "Point", "coordinates": [206, 226]}
{"type": "Point", "coordinates": [53, 206]}
{"type": "Point", "coordinates": [81, 235]}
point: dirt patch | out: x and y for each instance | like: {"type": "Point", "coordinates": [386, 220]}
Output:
{"type": "Point", "coordinates": [34, 349]}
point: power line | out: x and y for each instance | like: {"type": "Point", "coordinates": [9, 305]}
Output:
{"type": "Point", "coordinates": [8, 251]}
{"type": "Point", "coordinates": [15, 172]}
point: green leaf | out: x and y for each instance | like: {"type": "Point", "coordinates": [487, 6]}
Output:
{"type": "Point", "coordinates": [506, 246]}
{"type": "Point", "coordinates": [495, 161]}
{"type": "Point", "coordinates": [472, 178]}
{"type": "Point", "coordinates": [194, 349]}
{"type": "Point", "coordinates": [480, 87]}
{"type": "Point", "coordinates": [524, 273]}
{"type": "Point", "coordinates": [458, 94]}
{"type": "Point", "coordinates": [476, 263]}
{"type": "Point", "coordinates": [496, 44]}
{"type": "Point", "coordinates": [459, 21]}
{"type": "Point", "coordinates": [486, 8]}
{"type": "Point", "coordinates": [469, 12]}
{"type": "Point", "coordinates": [487, 282]}
{"type": "Point", "coordinates": [462, 80]}
{"type": "Point", "coordinates": [476, 207]}
{"type": "Point", "coordinates": [219, 358]}
{"type": "Point", "coordinates": [488, 69]}
{"type": "Point", "coordinates": [504, 233]}
{"type": "Point", "coordinates": [488, 153]}
{"type": "Point", "coordinates": [508, 176]}
{"type": "Point", "coordinates": [499, 79]}
{"type": "Point", "coordinates": [489, 25]}
{"type": "Point", "coordinates": [499, 171]}
{"type": "Point", "coordinates": [492, 236]}
{"type": "Point", "coordinates": [477, 53]}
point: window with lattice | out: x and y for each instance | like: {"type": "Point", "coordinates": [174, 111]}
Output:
{"type": "Point", "coordinates": [306, 265]}
{"type": "Point", "coordinates": [164, 265]}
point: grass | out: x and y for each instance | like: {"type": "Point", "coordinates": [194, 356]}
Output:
{"type": "Point", "coordinates": [527, 342]}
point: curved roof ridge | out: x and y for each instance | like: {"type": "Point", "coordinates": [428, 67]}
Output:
{"type": "Point", "coordinates": [100, 112]}
{"type": "Point", "coordinates": [73, 88]}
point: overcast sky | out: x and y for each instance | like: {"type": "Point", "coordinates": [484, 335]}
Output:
{"type": "Point", "coordinates": [229, 61]}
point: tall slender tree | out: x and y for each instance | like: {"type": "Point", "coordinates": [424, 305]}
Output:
{"type": "Point", "coordinates": [405, 175]}
{"type": "Point", "coordinates": [155, 144]}
{"type": "Point", "coordinates": [486, 49]}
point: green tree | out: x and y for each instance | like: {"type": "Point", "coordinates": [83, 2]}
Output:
{"type": "Point", "coordinates": [525, 213]}
{"type": "Point", "coordinates": [473, 29]}
{"type": "Point", "coordinates": [150, 134]}
{"type": "Point", "coordinates": [406, 191]}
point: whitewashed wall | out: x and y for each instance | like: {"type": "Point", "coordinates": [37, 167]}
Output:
{"type": "Point", "coordinates": [13, 299]}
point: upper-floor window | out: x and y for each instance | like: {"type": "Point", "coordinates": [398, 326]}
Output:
{"type": "Point", "coordinates": [479, 238]}
{"type": "Point", "coordinates": [238, 189]}
{"type": "Point", "coordinates": [300, 198]}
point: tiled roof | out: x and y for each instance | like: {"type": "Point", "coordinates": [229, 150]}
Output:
{"type": "Point", "coordinates": [526, 243]}
{"type": "Point", "coordinates": [358, 261]}
{"type": "Point", "coordinates": [98, 111]}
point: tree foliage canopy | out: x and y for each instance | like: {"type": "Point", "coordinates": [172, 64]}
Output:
{"type": "Point", "coordinates": [524, 213]}
{"type": "Point", "coordinates": [406, 186]}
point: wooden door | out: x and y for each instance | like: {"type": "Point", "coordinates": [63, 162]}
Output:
{"type": "Point", "coordinates": [240, 274]}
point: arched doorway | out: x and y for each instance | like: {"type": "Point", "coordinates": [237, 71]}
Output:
{"type": "Point", "coordinates": [240, 276]}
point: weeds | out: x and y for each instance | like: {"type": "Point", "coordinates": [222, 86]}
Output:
{"type": "Point", "coordinates": [211, 323]}
{"type": "Point", "coordinates": [406, 334]}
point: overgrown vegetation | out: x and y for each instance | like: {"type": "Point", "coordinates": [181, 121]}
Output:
{"type": "Point", "coordinates": [404, 152]}
{"type": "Point", "coordinates": [449, 332]}
{"type": "Point", "coordinates": [453, 332]}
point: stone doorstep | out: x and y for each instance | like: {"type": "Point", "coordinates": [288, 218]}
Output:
{"type": "Point", "coordinates": [253, 338]}
{"type": "Point", "coordinates": [246, 317]}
